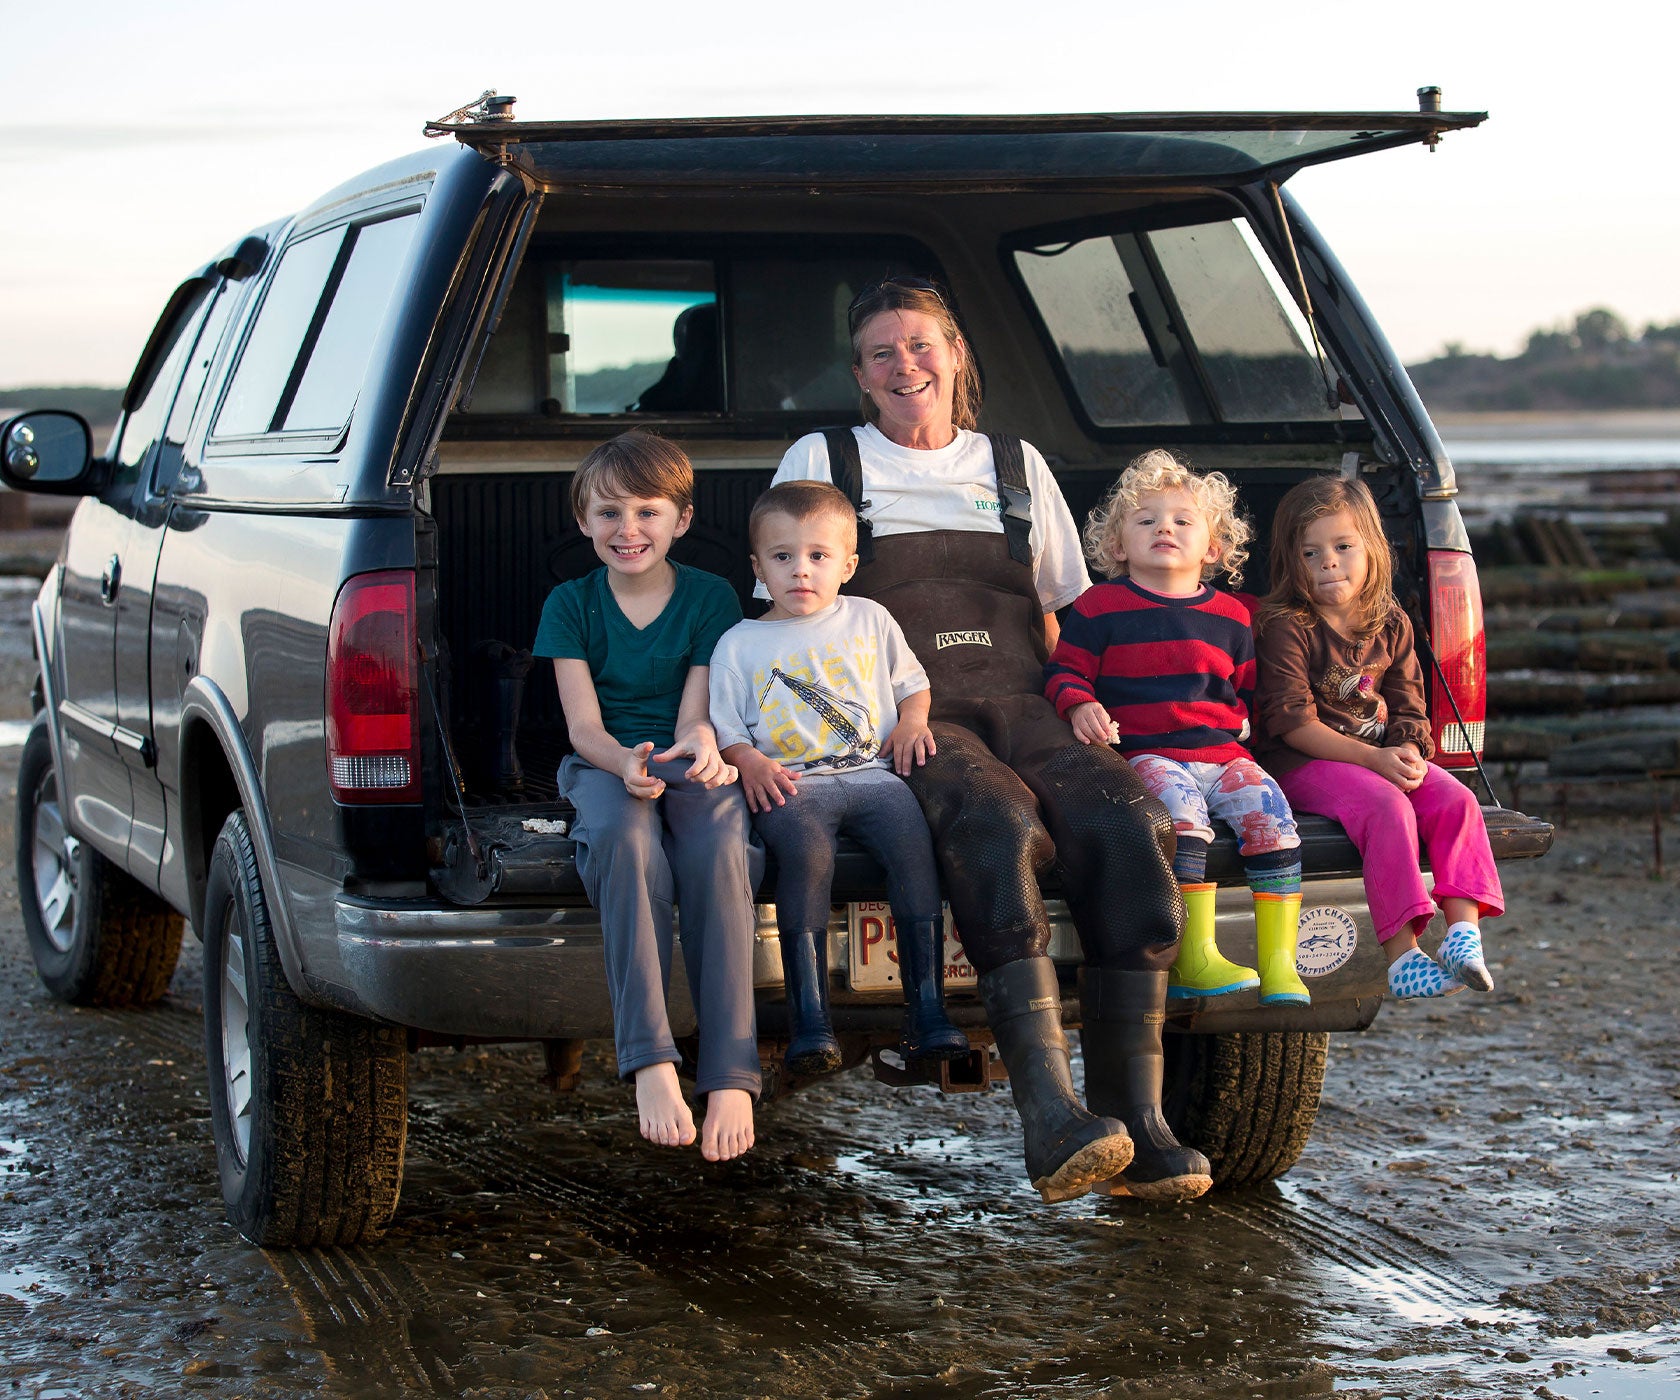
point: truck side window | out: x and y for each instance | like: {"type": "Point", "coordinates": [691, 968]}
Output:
{"type": "Point", "coordinates": [142, 423]}
{"type": "Point", "coordinates": [303, 361]}
{"type": "Point", "coordinates": [1175, 325]}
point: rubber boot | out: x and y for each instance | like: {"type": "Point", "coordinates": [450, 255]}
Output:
{"type": "Point", "coordinates": [928, 1033]}
{"type": "Point", "coordinates": [812, 1048]}
{"type": "Point", "coordinates": [1199, 970]}
{"type": "Point", "coordinates": [1123, 1013]}
{"type": "Point", "coordinates": [1068, 1150]}
{"type": "Point", "coordinates": [1277, 920]}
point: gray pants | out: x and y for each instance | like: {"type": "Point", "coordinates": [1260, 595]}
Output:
{"type": "Point", "coordinates": [875, 808]}
{"type": "Point", "coordinates": [689, 846]}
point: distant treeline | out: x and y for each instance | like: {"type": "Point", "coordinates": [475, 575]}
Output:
{"type": "Point", "coordinates": [1598, 362]}
{"type": "Point", "coordinates": [99, 406]}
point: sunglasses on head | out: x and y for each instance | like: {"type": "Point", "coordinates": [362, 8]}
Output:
{"type": "Point", "coordinates": [874, 289]}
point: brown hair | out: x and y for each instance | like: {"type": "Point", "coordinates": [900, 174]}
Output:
{"type": "Point", "coordinates": [1309, 501]}
{"type": "Point", "coordinates": [803, 500]}
{"type": "Point", "coordinates": [1155, 472]}
{"type": "Point", "coordinates": [637, 463]}
{"type": "Point", "coordinates": [915, 294]}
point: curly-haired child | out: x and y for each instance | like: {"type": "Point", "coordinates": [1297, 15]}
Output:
{"type": "Point", "coordinates": [1161, 663]}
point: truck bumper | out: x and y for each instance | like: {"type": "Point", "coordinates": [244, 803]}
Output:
{"type": "Point", "coordinates": [538, 973]}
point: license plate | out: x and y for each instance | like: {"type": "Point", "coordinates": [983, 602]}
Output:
{"type": "Point", "coordinates": [874, 945]}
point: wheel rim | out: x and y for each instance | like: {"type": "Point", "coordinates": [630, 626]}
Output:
{"type": "Point", "coordinates": [236, 1033]}
{"type": "Point", "coordinates": [57, 861]}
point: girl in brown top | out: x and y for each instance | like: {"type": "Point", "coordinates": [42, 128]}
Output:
{"type": "Point", "coordinates": [1346, 734]}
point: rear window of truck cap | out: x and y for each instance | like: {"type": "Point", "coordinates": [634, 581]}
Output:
{"type": "Point", "coordinates": [1212, 148]}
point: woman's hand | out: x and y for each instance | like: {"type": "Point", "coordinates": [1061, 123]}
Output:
{"type": "Point", "coordinates": [764, 781]}
{"type": "Point", "coordinates": [637, 781]}
{"type": "Point", "coordinates": [1092, 724]}
{"type": "Point", "coordinates": [1401, 765]}
{"type": "Point", "coordinates": [709, 768]}
{"type": "Point", "coordinates": [911, 743]}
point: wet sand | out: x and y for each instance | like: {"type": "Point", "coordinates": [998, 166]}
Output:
{"type": "Point", "coordinates": [1487, 1207]}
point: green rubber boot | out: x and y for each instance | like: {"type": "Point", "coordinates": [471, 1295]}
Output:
{"type": "Point", "coordinates": [1199, 970]}
{"type": "Point", "coordinates": [1277, 919]}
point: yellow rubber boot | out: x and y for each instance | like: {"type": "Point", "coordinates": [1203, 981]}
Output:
{"type": "Point", "coordinates": [1277, 919]}
{"type": "Point", "coordinates": [1199, 971]}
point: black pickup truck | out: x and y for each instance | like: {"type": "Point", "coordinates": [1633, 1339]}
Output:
{"type": "Point", "coordinates": [282, 690]}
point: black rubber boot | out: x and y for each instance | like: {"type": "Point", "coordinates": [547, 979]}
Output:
{"type": "Point", "coordinates": [1068, 1150]}
{"type": "Point", "coordinates": [928, 1033]}
{"type": "Point", "coordinates": [1123, 1013]}
{"type": "Point", "coordinates": [812, 1048]}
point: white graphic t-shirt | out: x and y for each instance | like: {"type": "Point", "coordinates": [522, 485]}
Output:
{"type": "Point", "coordinates": [908, 489]}
{"type": "Point", "coordinates": [818, 694]}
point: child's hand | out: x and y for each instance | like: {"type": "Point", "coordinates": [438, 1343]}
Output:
{"type": "Point", "coordinates": [1092, 724]}
{"type": "Point", "coordinates": [911, 743]}
{"type": "Point", "coordinates": [1400, 766]}
{"type": "Point", "coordinates": [709, 768]}
{"type": "Point", "coordinates": [764, 781]}
{"type": "Point", "coordinates": [637, 782]}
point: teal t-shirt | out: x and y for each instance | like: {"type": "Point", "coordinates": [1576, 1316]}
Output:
{"type": "Point", "coordinates": [639, 672]}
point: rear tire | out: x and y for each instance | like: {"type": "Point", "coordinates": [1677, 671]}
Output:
{"type": "Point", "coordinates": [1247, 1099]}
{"type": "Point", "coordinates": [309, 1107]}
{"type": "Point", "coordinates": [98, 937]}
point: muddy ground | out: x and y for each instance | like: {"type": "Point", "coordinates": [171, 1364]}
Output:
{"type": "Point", "coordinates": [1488, 1207]}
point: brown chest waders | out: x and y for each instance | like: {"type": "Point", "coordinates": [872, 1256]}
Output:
{"type": "Point", "coordinates": [1011, 790]}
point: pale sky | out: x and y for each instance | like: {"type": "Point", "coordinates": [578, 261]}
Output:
{"type": "Point", "coordinates": [138, 141]}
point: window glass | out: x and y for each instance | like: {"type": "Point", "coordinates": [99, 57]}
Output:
{"type": "Point", "coordinates": [1259, 367]}
{"type": "Point", "coordinates": [141, 426]}
{"type": "Point", "coordinates": [791, 349]}
{"type": "Point", "coordinates": [198, 367]}
{"type": "Point", "coordinates": [634, 336]}
{"type": "Point", "coordinates": [339, 357]}
{"type": "Point", "coordinates": [1089, 306]}
{"type": "Point", "coordinates": [271, 350]}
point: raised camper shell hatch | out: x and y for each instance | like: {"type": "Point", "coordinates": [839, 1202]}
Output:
{"type": "Point", "coordinates": [900, 153]}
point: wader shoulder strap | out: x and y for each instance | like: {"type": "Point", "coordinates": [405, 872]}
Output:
{"type": "Point", "coordinates": [845, 469]}
{"type": "Point", "coordinates": [1016, 500]}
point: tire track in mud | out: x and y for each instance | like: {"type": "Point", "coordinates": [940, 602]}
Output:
{"type": "Point", "coordinates": [783, 1305]}
{"type": "Point", "coordinates": [360, 1312]}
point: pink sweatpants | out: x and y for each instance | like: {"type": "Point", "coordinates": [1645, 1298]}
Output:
{"type": "Point", "coordinates": [1387, 824]}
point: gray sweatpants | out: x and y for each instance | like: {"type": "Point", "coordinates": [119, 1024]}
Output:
{"type": "Point", "coordinates": [688, 846]}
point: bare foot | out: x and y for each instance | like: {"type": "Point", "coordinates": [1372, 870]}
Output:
{"type": "Point", "coordinates": [665, 1117]}
{"type": "Point", "coordinates": [728, 1129]}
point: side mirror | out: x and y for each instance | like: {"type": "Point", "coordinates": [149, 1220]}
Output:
{"type": "Point", "coordinates": [49, 451]}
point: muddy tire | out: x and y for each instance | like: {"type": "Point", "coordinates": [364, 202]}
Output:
{"type": "Point", "coordinates": [309, 1107]}
{"type": "Point", "coordinates": [98, 937]}
{"type": "Point", "coordinates": [1245, 1098]}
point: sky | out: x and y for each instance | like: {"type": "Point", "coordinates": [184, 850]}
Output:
{"type": "Point", "coordinates": [138, 141]}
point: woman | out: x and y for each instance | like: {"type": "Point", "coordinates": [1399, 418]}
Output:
{"type": "Point", "coordinates": [1010, 790]}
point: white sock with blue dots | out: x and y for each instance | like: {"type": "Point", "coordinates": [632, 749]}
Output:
{"type": "Point", "coordinates": [1415, 974]}
{"type": "Point", "coordinates": [1461, 955]}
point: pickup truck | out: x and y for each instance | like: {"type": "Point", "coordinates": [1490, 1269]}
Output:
{"type": "Point", "coordinates": [284, 692]}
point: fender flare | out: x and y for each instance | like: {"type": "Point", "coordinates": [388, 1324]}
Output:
{"type": "Point", "coordinates": [49, 695]}
{"type": "Point", "coordinates": [205, 702]}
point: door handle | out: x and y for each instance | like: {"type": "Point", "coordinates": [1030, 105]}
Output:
{"type": "Point", "coordinates": [110, 581]}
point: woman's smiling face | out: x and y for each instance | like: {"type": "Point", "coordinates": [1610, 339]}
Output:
{"type": "Point", "coordinates": [909, 370]}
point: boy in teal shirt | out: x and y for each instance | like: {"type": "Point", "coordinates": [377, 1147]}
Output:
{"type": "Point", "coordinates": [659, 815]}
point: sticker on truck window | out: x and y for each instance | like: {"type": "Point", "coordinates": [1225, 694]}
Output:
{"type": "Point", "coordinates": [1327, 940]}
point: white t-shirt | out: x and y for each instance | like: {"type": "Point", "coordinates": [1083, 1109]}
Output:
{"type": "Point", "coordinates": [819, 694]}
{"type": "Point", "coordinates": [908, 489]}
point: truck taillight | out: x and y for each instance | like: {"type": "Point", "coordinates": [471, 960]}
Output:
{"type": "Point", "coordinates": [373, 711]}
{"type": "Point", "coordinates": [1460, 646]}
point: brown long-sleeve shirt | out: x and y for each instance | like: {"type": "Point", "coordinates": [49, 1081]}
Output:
{"type": "Point", "coordinates": [1370, 690]}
